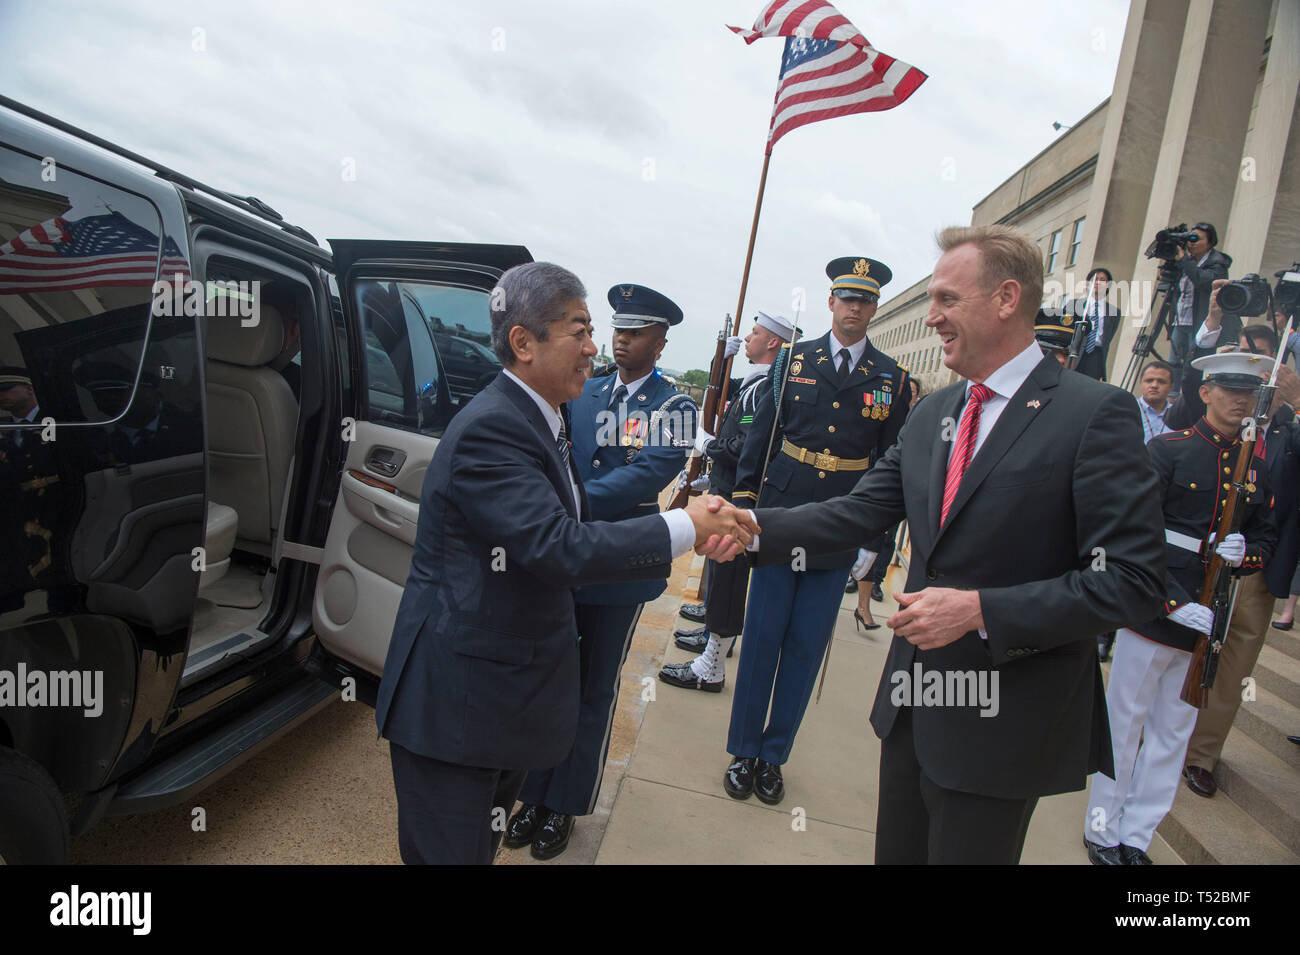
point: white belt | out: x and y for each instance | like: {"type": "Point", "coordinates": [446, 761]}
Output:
{"type": "Point", "coordinates": [1185, 541]}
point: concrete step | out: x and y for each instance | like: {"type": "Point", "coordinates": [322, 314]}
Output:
{"type": "Point", "coordinates": [1268, 720]}
{"type": "Point", "coordinates": [1279, 674]}
{"type": "Point", "coordinates": [1218, 832]}
{"type": "Point", "coordinates": [1263, 786]}
{"type": "Point", "coordinates": [1285, 641]}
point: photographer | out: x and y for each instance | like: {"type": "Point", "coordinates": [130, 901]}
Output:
{"type": "Point", "coordinates": [1200, 264]}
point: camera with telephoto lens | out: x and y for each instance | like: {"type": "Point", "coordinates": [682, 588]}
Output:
{"type": "Point", "coordinates": [1168, 240]}
{"type": "Point", "coordinates": [1247, 296]}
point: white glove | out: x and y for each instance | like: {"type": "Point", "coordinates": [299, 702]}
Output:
{"type": "Point", "coordinates": [1232, 549]}
{"type": "Point", "coordinates": [733, 346]}
{"type": "Point", "coordinates": [863, 564]}
{"type": "Point", "coordinates": [1196, 616]}
{"type": "Point", "coordinates": [702, 438]}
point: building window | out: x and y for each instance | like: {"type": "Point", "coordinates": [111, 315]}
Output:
{"type": "Point", "coordinates": [1053, 250]}
{"type": "Point", "coordinates": [1076, 240]}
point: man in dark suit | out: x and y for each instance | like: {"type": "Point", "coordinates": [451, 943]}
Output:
{"type": "Point", "coordinates": [1103, 321]}
{"type": "Point", "coordinates": [1024, 548]}
{"type": "Point", "coordinates": [481, 682]}
{"type": "Point", "coordinates": [1199, 264]}
{"type": "Point", "coordinates": [631, 433]}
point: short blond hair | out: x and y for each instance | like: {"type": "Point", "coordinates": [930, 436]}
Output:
{"type": "Point", "coordinates": [1005, 253]}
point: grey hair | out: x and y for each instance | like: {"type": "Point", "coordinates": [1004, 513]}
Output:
{"type": "Point", "coordinates": [532, 295]}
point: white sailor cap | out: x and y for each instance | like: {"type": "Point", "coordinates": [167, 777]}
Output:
{"type": "Point", "coordinates": [778, 325]}
{"type": "Point", "coordinates": [1243, 371]}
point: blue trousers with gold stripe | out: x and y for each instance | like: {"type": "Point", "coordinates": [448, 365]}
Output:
{"type": "Point", "coordinates": [788, 622]}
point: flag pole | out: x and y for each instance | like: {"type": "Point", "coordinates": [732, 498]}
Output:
{"type": "Point", "coordinates": [744, 278]}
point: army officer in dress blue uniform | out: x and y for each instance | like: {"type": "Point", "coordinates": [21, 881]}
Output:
{"type": "Point", "coordinates": [835, 407]}
{"type": "Point", "coordinates": [631, 431]}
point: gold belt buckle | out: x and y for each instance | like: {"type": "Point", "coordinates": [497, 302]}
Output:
{"type": "Point", "coordinates": [826, 462]}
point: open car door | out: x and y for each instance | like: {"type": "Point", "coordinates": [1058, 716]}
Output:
{"type": "Point", "coordinates": [419, 344]}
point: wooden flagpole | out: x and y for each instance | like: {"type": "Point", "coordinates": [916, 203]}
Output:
{"type": "Point", "coordinates": [744, 279]}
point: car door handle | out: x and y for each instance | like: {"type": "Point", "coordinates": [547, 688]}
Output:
{"type": "Point", "coordinates": [385, 461]}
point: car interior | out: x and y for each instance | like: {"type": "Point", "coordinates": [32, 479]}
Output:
{"type": "Point", "coordinates": [252, 427]}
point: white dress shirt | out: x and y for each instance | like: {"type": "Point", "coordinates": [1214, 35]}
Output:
{"type": "Point", "coordinates": [631, 386]}
{"type": "Point", "coordinates": [855, 350]}
{"type": "Point", "coordinates": [1153, 422]}
{"type": "Point", "coordinates": [1004, 383]}
{"type": "Point", "coordinates": [681, 529]}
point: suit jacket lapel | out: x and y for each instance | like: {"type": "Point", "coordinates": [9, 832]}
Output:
{"type": "Point", "coordinates": [817, 349]}
{"type": "Point", "coordinates": [555, 472]}
{"type": "Point", "coordinates": [1026, 404]}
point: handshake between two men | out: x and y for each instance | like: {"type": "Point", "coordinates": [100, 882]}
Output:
{"type": "Point", "coordinates": [722, 530]}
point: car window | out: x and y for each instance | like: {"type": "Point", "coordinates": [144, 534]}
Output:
{"type": "Point", "coordinates": [78, 261]}
{"type": "Point", "coordinates": [403, 380]}
{"type": "Point", "coordinates": [461, 326]}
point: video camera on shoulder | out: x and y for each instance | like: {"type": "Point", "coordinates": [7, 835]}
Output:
{"type": "Point", "coordinates": [1167, 242]}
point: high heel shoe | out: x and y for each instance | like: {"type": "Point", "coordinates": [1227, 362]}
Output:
{"type": "Point", "coordinates": [1283, 626]}
{"type": "Point", "coordinates": [859, 624]}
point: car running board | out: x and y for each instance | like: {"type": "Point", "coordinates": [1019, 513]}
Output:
{"type": "Point", "coordinates": [177, 778]}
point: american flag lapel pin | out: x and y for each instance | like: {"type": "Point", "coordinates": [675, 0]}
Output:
{"type": "Point", "coordinates": [1033, 403]}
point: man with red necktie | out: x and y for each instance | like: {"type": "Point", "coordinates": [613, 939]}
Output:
{"type": "Point", "coordinates": [1024, 548]}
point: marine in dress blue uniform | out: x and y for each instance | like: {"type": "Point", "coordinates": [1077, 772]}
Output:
{"type": "Point", "coordinates": [835, 406]}
{"type": "Point", "coordinates": [631, 437]}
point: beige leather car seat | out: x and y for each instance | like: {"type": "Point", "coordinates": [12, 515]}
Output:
{"type": "Point", "coordinates": [252, 419]}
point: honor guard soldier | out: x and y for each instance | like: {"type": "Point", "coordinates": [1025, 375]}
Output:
{"type": "Point", "coordinates": [728, 583]}
{"type": "Point", "coordinates": [1152, 658]}
{"type": "Point", "coordinates": [631, 434]}
{"type": "Point", "coordinates": [835, 405]}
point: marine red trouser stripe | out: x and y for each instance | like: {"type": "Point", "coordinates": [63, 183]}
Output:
{"type": "Point", "coordinates": [962, 450]}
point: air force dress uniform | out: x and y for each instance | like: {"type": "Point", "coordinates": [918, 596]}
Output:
{"type": "Point", "coordinates": [825, 427]}
{"type": "Point", "coordinates": [628, 444]}
{"type": "Point", "coordinates": [1151, 658]}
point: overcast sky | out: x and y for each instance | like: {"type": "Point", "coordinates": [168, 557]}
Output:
{"type": "Point", "coordinates": [621, 140]}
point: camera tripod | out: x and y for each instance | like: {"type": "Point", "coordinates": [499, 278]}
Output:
{"type": "Point", "coordinates": [1144, 346]}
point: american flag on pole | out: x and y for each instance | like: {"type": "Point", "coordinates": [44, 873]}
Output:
{"type": "Point", "coordinates": [829, 68]}
{"type": "Point", "coordinates": [62, 255]}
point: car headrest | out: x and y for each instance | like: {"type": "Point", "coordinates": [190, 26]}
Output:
{"type": "Point", "coordinates": [229, 340]}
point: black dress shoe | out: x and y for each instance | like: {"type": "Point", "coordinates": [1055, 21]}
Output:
{"type": "Point", "coordinates": [523, 826]}
{"type": "Point", "coordinates": [692, 612]}
{"type": "Point", "coordinates": [738, 780]}
{"type": "Point", "coordinates": [696, 640]}
{"type": "Point", "coordinates": [769, 787]}
{"type": "Point", "coordinates": [681, 674]}
{"type": "Point", "coordinates": [553, 837]}
{"type": "Point", "coordinates": [1294, 739]}
{"type": "Point", "coordinates": [1103, 855]}
{"type": "Point", "coordinates": [851, 587]}
{"type": "Point", "coordinates": [877, 594]}
{"type": "Point", "coordinates": [1132, 855]}
{"type": "Point", "coordinates": [1200, 781]}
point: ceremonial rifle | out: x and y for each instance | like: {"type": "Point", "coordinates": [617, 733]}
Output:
{"type": "Point", "coordinates": [714, 398]}
{"type": "Point", "coordinates": [1076, 343]}
{"type": "Point", "coordinates": [1217, 590]}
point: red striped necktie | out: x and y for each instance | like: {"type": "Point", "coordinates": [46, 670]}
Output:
{"type": "Point", "coordinates": [965, 446]}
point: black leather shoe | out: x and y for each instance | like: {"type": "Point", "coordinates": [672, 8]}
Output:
{"type": "Point", "coordinates": [696, 640]}
{"type": "Point", "coordinates": [1283, 626]}
{"type": "Point", "coordinates": [769, 787]}
{"type": "Point", "coordinates": [692, 612]}
{"type": "Point", "coordinates": [1132, 855]}
{"type": "Point", "coordinates": [681, 674]}
{"type": "Point", "coordinates": [877, 594]}
{"type": "Point", "coordinates": [1200, 781]}
{"type": "Point", "coordinates": [523, 826]}
{"type": "Point", "coordinates": [851, 587]}
{"type": "Point", "coordinates": [1103, 855]}
{"type": "Point", "coordinates": [738, 780]}
{"type": "Point", "coordinates": [553, 837]}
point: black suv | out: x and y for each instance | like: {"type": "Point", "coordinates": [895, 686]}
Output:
{"type": "Point", "coordinates": [213, 434]}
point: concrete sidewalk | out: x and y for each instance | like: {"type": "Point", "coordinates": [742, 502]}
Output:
{"type": "Point", "coordinates": [662, 799]}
